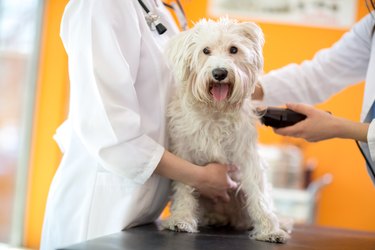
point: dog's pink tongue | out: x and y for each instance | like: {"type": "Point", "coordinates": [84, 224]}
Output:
{"type": "Point", "coordinates": [220, 91]}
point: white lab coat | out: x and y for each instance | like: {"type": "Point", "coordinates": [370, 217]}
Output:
{"type": "Point", "coordinates": [347, 62]}
{"type": "Point", "coordinates": [114, 136]}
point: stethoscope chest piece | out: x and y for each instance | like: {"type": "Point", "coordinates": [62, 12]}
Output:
{"type": "Point", "coordinates": [154, 23]}
{"type": "Point", "coordinates": [153, 20]}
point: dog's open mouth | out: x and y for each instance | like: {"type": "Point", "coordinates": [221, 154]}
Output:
{"type": "Point", "coordinates": [220, 91]}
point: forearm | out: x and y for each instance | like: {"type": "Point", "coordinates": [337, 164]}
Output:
{"type": "Point", "coordinates": [177, 169]}
{"type": "Point", "coordinates": [352, 130]}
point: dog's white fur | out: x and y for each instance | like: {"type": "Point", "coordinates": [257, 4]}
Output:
{"type": "Point", "coordinates": [204, 129]}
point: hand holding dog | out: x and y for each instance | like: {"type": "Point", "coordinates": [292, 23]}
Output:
{"type": "Point", "coordinates": [211, 180]}
{"type": "Point", "coordinates": [215, 182]}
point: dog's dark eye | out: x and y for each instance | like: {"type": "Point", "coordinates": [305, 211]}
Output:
{"type": "Point", "coordinates": [206, 51]}
{"type": "Point", "coordinates": [233, 50]}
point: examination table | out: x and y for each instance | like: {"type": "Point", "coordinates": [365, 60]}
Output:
{"type": "Point", "coordinates": [304, 237]}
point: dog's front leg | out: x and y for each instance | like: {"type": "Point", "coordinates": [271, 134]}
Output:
{"type": "Point", "coordinates": [265, 222]}
{"type": "Point", "coordinates": [184, 210]}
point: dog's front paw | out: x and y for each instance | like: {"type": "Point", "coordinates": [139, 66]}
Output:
{"type": "Point", "coordinates": [277, 236]}
{"type": "Point", "coordinates": [180, 225]}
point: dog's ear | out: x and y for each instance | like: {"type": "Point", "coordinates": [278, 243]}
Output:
{"type": "Point", "coordinates": [178, 57]}
{"type": "Point", "coordinates": [253, 32]}
{"type": "Point", "coordinates": [255, 36]}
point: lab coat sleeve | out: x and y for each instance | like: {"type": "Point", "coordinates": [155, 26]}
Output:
{"type": "Point", "coordinates": [103, 42]}
{"type": "Point", "coordinates": [329, 71]}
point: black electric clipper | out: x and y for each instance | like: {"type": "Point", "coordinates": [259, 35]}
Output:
{"type": "Point", "coordinates": [279, 117]}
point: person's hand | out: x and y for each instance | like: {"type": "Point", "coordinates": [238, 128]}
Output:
{"type": "Point", "coordinates": [258, 93]}
{"type": "Point", "coordinates": [319, 125]}
{"type": "Point", "coordinates": [214, 182]}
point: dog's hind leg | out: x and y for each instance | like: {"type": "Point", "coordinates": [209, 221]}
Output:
{"type": "Point", "coordinates": [184, 210]}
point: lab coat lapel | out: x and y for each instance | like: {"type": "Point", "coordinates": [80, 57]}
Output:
{"type": "Point", "coordinates": [369, 94]}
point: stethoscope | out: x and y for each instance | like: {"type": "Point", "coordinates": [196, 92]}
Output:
{"type": "Point", "coordinates": [153, 20]}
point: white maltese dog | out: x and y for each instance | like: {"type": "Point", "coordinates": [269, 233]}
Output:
{"type": "Point", "coordinates": [211, 119]}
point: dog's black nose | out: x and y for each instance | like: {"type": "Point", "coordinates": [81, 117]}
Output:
{"type": "Point", "coordinates": [219, 73]}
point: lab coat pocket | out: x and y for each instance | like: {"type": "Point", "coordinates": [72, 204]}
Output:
{"type": "Point", "coordinates": [114, 204]}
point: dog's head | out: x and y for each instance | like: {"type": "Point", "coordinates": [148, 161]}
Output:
{"type": "Point", "coordinates": [218, 62]}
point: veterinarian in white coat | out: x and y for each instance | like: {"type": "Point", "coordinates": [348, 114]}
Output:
{"type": "Point", "coordinates": [349, 61]}
{"type": "Point", "coordinates": [110, 176]}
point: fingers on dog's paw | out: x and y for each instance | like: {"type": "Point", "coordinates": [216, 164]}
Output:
{"type": "Point", "coordinates": [279, 236]}
{"type": "Point", "coordinates": [180, 226]}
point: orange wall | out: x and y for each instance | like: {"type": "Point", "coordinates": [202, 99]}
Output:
{"type": "Point", "coordinates": [49, 113]}
{"type": "Point", "coordinates": [348, 202]}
